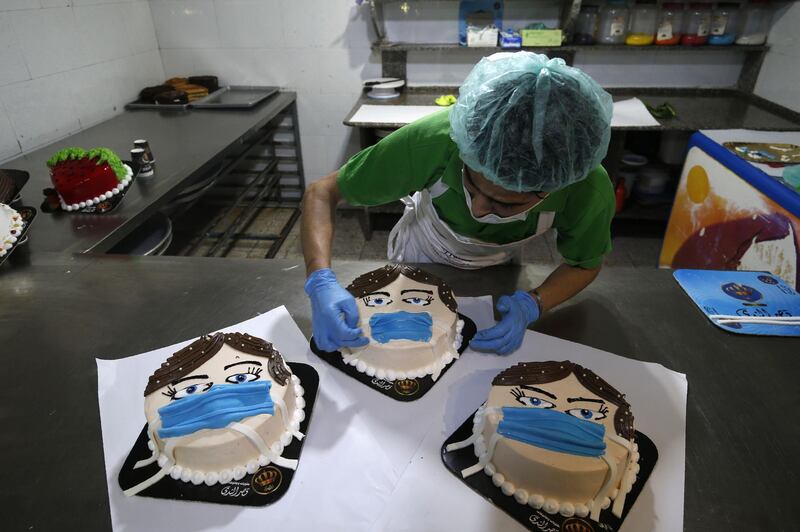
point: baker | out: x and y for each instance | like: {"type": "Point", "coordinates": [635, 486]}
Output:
{"type": "Point", "coordinates": [518, 154]}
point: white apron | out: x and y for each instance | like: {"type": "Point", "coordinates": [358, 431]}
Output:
{"type": "Point", "coordinates": [420, 236]}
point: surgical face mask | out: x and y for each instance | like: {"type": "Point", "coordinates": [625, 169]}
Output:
{"type": "Point", "coordinates": [221, 405]}
{"type": "Point", "coordinates": [492, 218]}
{"type": "Point", "coordinates": [415, 326]}
{"type": "Point", "coordinates": [553, 430]}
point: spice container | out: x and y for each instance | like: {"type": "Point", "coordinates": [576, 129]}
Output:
{"type": "Point", "coordinates": [696, 27]}
{"type": "Point", "coordinates": [723, 24]}
{"type": "Point", "coordinates": [755, 23]}
{"type": "Point", "coordinates": [613, 22]}
{"type": "Point", "coordinates": [643, 23]}
{"type": "Point", "coordinates": [670, 24]}
{"type": "Point", "coordinates": [586, 25]}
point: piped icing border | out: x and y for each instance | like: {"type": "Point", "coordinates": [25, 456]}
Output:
{"type": "Point", "coordinates": [268, 454]}
{"type": "Point", "coordinates": [434, 369]}
{"type": "Point", "coordinates": [537, 501]}
{"type": "Point", "coordinates": [102, 197]}
{"type": "Point", "coordinates": [11, 233]}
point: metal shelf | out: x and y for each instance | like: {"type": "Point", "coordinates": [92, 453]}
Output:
{"type": "Point", "coordinates": [446, 47]}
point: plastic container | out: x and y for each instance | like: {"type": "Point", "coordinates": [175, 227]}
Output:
{"type": "Point", "coordinates": [651, 183]}
{"type": "Point", "coordinates": [642, 30]}
{"type": "Point", "coordinates": [755, 23]}
{"type": "Point", "coordinates": [586, 25]}
{"type": "Point", "coordinates": [697, 25]}
{"type": "Point", "coordinates": [724, 20]}
{"type": "Point", "coordinates": [670, 24]}
{"type": "Point", "coordinates": [613, 22]}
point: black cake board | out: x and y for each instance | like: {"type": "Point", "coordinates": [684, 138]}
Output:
{"type": "Point", "coordinates": [402, 390]}
{"type": "Point", "coordinates": [27, 214]}
{"type": "Point", "coordinates": [19, 178]}
{"type": "Point", "coordinates": [268, 484]}
{"type": "Point", "coordinates": [99, 208]}
{"type": "Point", "coordinates": [539, 520]}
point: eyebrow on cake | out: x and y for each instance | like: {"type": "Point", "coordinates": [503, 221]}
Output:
{"type": "Point", "coordinates": [377, 294]}
{"type": "Point", "coordinates": [575, 399]}
{"type": "Point", "coordinates": [255, 362]}
{"type": "Point", "coordinates": [429, 292]}
{"type": "Point", "coordinates": [539, 390]}
{"type": "Point", "coordinates": [190, 377]}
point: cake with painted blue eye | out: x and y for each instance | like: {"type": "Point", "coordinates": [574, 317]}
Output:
{"type": "Point", "coordinates": [557, 437]}
{"type": "Point", "coordinates": [221, 408]}
{"type": "Point", "coordinates": [411, 320]}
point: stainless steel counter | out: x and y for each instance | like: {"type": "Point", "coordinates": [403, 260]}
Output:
{"type": "Point", "coordinates": [57, 313]}
{"type": "Point", "coordinates": [185, 144]}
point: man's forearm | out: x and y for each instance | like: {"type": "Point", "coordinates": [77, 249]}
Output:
{"type": "Point", "coordinates": [317, 222]}
{"type": "Point", "coordinates": [563, 283]}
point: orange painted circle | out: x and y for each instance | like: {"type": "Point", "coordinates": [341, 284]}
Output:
{"type": "Point", "coordinates": [697, 184]}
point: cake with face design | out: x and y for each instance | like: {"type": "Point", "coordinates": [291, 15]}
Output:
{"type": "Point", "coordinates": [411, 320]}
{"type": "Point", "coordinates": [557, 437]}
{"type": "Point", "coordinates": [219, 409]}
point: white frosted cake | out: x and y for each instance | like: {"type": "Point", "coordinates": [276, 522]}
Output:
{"type": "Point", "coordinates": [11, 225]}
{"type": "Point", "coordinates": [557, 437]}
{"type": "Point", "coordinates": [410, 317]}
{"type": "Point", "coordinates": [219, 409]}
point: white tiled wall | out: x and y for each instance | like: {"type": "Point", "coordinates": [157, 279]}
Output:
{"type": "Point", "coordinates": [319, 48]}
{"type": "Point", "coordinates": [68, 64]}
{"type": "Point", "coordinates": [779, 80]}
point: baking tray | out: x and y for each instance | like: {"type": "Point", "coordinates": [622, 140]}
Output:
{"type": "Point", "coordinates": [235, 97]}
{"type": "Point", "coordinates": [168, 106]}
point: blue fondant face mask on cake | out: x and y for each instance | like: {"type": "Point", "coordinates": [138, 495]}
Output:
{"type": "Point", "coordinates": [553, 430]}
{"type": "Point", "coordinates": [220, 405]}
{"type": "Point", "coordinates": [415, 326]}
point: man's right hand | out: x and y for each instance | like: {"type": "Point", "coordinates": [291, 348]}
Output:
{"type": "Point", "coordinates": [334, 314]}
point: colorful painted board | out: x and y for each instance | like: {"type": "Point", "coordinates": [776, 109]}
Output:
{"type": "Point", "coordinates": [757, 294]}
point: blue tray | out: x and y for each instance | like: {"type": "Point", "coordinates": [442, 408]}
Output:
{"type": "Point", "coordinates": [742, 294]}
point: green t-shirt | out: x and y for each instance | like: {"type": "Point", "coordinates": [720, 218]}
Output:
{"type": "Point", "coordinates": [418, 155]}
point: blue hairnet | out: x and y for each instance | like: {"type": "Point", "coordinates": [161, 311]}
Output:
{"type": "Point", "coordinates": [530, 123]}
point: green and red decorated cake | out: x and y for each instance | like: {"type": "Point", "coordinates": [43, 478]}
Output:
{"type": "Point", "coordinates": [83, 178]}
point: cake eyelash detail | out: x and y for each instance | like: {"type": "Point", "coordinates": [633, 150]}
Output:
{"type": "Point", "coordinates": [519, 394]}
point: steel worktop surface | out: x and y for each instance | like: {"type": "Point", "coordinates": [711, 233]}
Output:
{"type": "Point", "coordinates": [59, 312]}
{"type": "Point", "coordinates": [186, 144]}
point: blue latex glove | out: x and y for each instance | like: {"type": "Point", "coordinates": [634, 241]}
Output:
{"type": "Point", "coordinates": [334, 315]}
{"type": "Point", "coordinates": [519, 310]}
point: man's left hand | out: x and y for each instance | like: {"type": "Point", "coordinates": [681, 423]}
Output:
{"type": "Point", "coordinates": [518, 311]}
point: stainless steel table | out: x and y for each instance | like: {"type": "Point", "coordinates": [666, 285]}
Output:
{"type": "Point", "coordinates": [185, 143]}
{"type": "Point", "coordinates": [57, 313]}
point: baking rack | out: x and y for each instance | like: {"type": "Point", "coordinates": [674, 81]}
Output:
{"type": "Point", "coordinates": [267, 171]}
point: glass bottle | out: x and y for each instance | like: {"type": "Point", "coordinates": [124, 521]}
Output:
{"type": "Point", "coordinates": [755, 23]}
{"type": "Point", "coordinates": [643, 23]}
{"type": "Point", "coordinates": [723, 24]}
{"type": "Point", "coordinates": [586, 25]}
{"type": "Point", "coordinates": [613, 22]}
{"type": "Point", "coordinates": [697, 25]}
{"type": "Point", "coordinates": [670, 24]}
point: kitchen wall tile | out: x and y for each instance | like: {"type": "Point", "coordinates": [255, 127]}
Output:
{"type": "Point", "coordinates": [56, 3]}
{"type": "Point", "coordinates": [49, 40]}
{"type": "Point", "coordinates": [9, 147]}
{"type": "Point", "coordinates": [12, 60]}
{"type": "Point", "coordinates": [139, 28]}
{"type": "Point", "coordinates": [185, 23]}
{"type": "Point", "coordinates": [249, 23]}
{"type": "Point", "coordinates": [94, 92]}
{"type": "Point", "coordinates": [40, 110]}
{"type": "Point", "coordinates": [99, 29]}
{"type": "Point", "coordinates": [13, 5]}
{"type": "Point", "coordinates": [137, 72]}
{"type": "Point", "coordinates": [177, 61]}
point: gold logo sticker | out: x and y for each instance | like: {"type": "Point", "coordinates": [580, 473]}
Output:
{"type": "Point", "coordinates": [576, 524]}
{"type": "Point", "coordinates": [266, 480]}
{"type": "Point", "coordinates": [406, 386]}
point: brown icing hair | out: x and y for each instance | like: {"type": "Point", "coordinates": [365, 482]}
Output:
{"type": "Point", "coordinates": [543, 372]}
{"type": "Point", "coordinates": [200, 351]}
{"type": "Point", "coordinates": [377, 279]}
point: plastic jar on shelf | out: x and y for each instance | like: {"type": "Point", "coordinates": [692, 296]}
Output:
{"type": "Point", "coordinates": [586, 25]}
{"type": "Point", "coordinates": [643, 23]}
{"type": "Point", "coordinates": [670, 24]}
{"type": "Point", "coordinates": [697, 25]}
{"type": "Point", "coordinates": [613, 22]}
{"type": "Point", "coordinates": [755, 23]}
{"type": "Point", "coordinates": [723, 24]}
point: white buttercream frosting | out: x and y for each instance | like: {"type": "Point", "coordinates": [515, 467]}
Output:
{"type": "Point", "coordinates": [11, 225]}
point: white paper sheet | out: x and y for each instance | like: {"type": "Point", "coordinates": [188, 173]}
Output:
{"type": "Point", "coordinates": [357, 445]}
{"type": "Point", "coordinates": [632, 113]}
{"type": "Point", "coordinates": [429, 497]}
{"type": "Point", "coordinates": [392, 114]}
